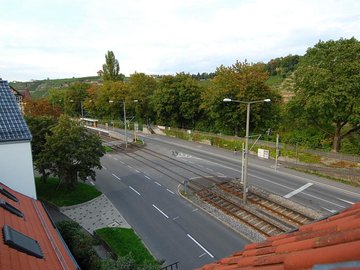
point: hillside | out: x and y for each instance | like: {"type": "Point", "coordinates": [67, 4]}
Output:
{"type": "Point", "coordinates": [40, 88]}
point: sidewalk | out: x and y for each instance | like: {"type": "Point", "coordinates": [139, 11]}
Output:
{"type": "Point", "coordinates": [95, 214]}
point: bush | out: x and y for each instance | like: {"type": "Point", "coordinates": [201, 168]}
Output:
{"type": "Point", "coordinates": [124, 242]}
{"type": "Point", "coordinates": [80, 245]}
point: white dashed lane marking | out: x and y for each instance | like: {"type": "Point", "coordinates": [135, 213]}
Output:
{"type": "Point", "coordinates": [117, 177]}
{"type": "Point", "coordinates": [138, 193]}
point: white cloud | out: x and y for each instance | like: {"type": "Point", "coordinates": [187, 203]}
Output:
{"type": "Point", "coordinates": [66, 38]}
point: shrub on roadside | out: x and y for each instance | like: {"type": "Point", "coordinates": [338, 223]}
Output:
{"type": "Point", "coordinates": [80, 245]}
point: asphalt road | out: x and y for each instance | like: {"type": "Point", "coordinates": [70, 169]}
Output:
{"type": "Point", "coordinates": [318, 193]}
{"type": "Point", "coordinates": [173, 229]}
{"type": "Point", "coordinates": [143, 186]}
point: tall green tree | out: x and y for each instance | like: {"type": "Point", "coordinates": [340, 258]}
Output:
{"type": "Point", "coordinates": [246, 82]}
{"type": "Point", "coordinates": [71, 153]}
{"type": "Point", "coordinates": [111, 68]}
{"type": "Point", "coordinates": [40, 127]}
{"type": "Point", "coordinates": [328, 88]}
{"type": "Point", "coordinates": [177, 100]}
{"type": "Point", "coordinates": [141, 88]}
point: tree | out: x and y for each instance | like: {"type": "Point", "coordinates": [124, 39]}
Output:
{"type": "Point", "coordinates": [41, 107]}
{"type": "Point", "coordinates": [177, 100]}
{"type": "Point", "coordinates": [40, 127]}
{"type": "Point", "coordinates": [141, 88]}
{"type": "Point", "coordinates": [245, 82]}
{"type": "Point", "coordinates": [111, 68]}
{"type": "Point", "coordinates": [71, 153]}
{"type": "Point", "coordinates": [328, 88]}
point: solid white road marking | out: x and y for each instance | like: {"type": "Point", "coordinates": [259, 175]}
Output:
{"type": "Point", "coordinates": [345, 201]}
{"type": "Point", "coordinates": [170, 191]}
{"type": "Point", "coordinates": [117, 177]}
{"type": "Point", "coordinates": [160, 211]}
{"type": "Point", "coordinates": [158, 184]}
{"type": "Point", "coordinates": [296, 191]}
{"type": "Point", "coordinates": [204, 249]}
{"type": "Point", "coordinates": [134, 190]}
{"type": "Point", "coordinates": [331, 211]}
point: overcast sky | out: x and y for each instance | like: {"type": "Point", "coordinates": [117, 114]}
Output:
{"type": "Point", "coordinates": [69, 38]}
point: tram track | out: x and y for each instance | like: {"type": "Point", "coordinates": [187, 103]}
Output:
{"type": "Point", "coordinates": [264, 216]}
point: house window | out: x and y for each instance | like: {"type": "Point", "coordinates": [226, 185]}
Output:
{"type": "Point", "coordinates": [11, 208]}
{"type": "Point", "coordinates": [8, 194]}
{"type": "Point", "coordinates": [21, 242]}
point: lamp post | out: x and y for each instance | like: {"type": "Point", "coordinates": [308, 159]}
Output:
{"type": "Point", "coordinates": [245, 165]}
{"type": "Point", "coordinates": [111, 101]}
{"type": "Point", "coordinates": [135, 101]}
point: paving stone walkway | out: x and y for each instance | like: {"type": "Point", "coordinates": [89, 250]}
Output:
{"type": "Point", "coordinates": [96, 214]}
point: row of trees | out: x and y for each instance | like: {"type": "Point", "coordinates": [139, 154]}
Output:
{"type": "Point", "coordinates": [324, 110]}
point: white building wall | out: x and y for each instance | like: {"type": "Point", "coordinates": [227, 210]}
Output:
{"type": "Point", "coordinates": [16, 167]}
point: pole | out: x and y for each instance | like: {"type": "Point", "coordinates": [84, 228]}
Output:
{"type": "Point", "coordinates": [242, 162]}
{"type": "Point", "coordinates": [246, 157]}
{"type": "Point", "coordinates": [125, 124]}
{"type": "Point", "coordinates": [82, 110]}
{"type": "Point", "coordinates": [277, 151]}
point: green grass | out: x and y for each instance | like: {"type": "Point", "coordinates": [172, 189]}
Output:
{"type": "Point", "coordinates": [50, 192]}
{"type": "Point", "coordinates": [108, 149]}
{"type": "Point", "coordinates": [124, 242]}
{"type": "Point", "coordinates": [346, 182]}
{"type": "Point", "coordinates": [275, 80]}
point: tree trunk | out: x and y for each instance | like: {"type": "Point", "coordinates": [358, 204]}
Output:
{"type": "Point", "coordinates": [237, 131]}
{"type": "Point", "coordinates": [337, 139]}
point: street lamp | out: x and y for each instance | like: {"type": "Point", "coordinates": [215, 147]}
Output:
{"type": "Point", "coordinates": [135, 100]}
{"type": "Point", "coordinates": [248, 103]}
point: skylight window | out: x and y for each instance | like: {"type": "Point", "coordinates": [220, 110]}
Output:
{"type": "Point", "coordinates": [21, 242]}
{"type": "Point", "coordinates": [8, 194]}
{"type": "Point", "coordinates": [11, 208]}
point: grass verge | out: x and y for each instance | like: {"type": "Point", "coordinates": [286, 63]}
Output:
{"type": "Point", "coordinates": [60, 196]}
{"type": "Point", "coordinates": [124, 242]}
{"type": "Point", "coordinates": [350, 183]}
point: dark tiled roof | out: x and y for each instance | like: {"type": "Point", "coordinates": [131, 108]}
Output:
{"type": "Point", "coordinates": [330, 241]}
{"type": "Point", "coordinates": [36, 226]}
{"type": "Point", "coordinates": [12, 123]}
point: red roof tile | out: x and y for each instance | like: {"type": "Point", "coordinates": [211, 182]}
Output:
{"type": "Point", "coordinates": [36, 225]}
{"type": "Point", "coordinates": [332, 240]}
